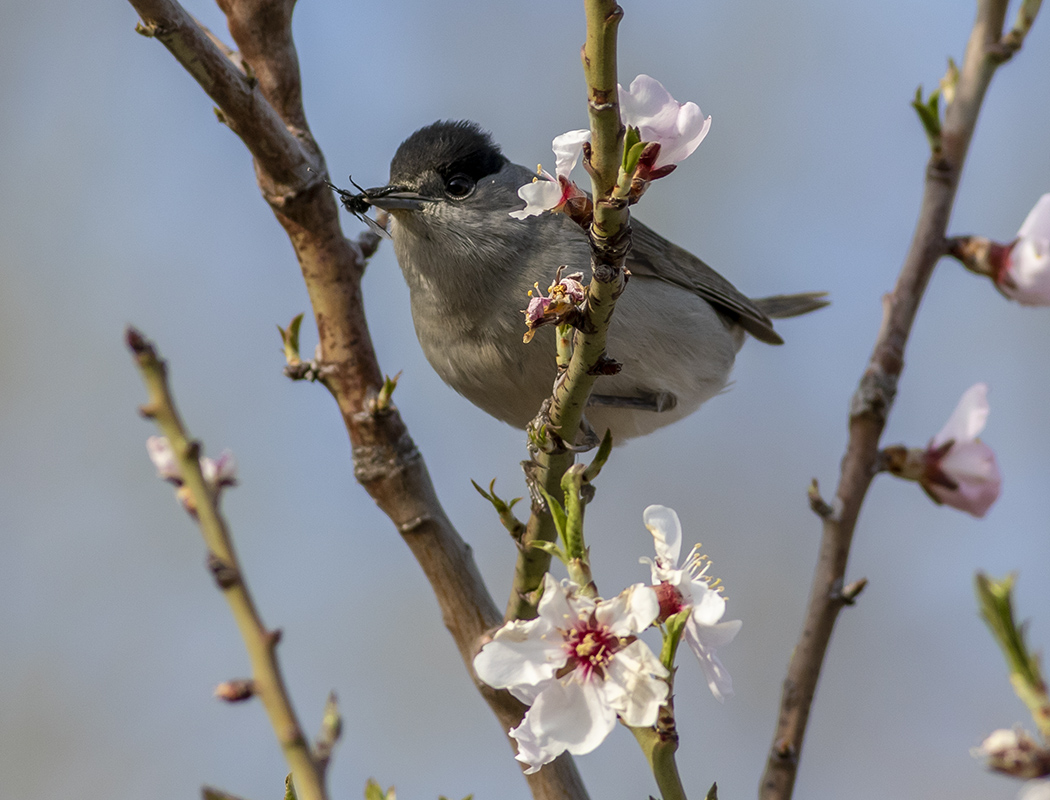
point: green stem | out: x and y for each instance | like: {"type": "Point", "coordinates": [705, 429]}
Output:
{"type": "Point", "coordinates": [610, 242]}
{"type": "Point", "coordinates": [659, 748]}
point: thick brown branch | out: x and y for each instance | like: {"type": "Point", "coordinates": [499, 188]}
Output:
{"type": "Point", "coordinates": [289, 167]}
{"type": "Point", "coordinates": [874, 399]}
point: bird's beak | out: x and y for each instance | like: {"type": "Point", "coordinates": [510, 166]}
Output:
{"type": "Point", "coordinates": [395, 198]}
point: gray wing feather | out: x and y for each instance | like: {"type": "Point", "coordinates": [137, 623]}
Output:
{"type": "Point", "coordinates": [655, 257]}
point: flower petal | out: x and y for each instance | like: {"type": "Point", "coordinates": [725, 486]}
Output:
{"type": "Point", "coordinates": [630, 612]}
{"type": "Point", "coordinates": [1037, 224]}
{"type": "Point", "coordinates": [163, 458]}
{"type": "Point", "coordinates": [567, 150]}
{"type": "Point", "coordinates": [703, 640]}
{"type": "Point", "coordinates": [1026, 279]}
{"type": "Point", "coordinates": [677, 127]}
{"type": "Point", "coordinates": [638, 674]}
{"type": "Point", "coordinates": [969, 417]}
{"type": "Point", "coordinates": [521, 652]}
{"type": "Point", "coordinates": [972, 466]}
{"type": "Point", "coordinates": [543, 194]}
{"type": "Point", "coordinates": [1035, 790]}
{"type": "Point", "coordinates": [664, 525]}
{"type": "Point", "coordinates": [568, 715]}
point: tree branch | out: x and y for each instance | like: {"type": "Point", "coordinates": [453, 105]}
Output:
{"type": "Point", "coordinates": [264, 108]}
{"type": "Point", "coordinates": [261, 644]}
{"type": "Point", "coordinates": [874, 397]}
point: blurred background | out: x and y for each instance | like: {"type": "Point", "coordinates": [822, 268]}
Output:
{"type": "Point", "coordinates": [126, 202]}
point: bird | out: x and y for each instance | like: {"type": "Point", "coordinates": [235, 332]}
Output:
{"type": "Point", "coordinates": [469, 267]}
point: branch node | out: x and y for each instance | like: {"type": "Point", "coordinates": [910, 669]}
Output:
{"type": "Point", "coordinates": [225, 574]}
{"type": "Point", "coordinates": [817, 503]}
{"type": "Point", "coordinates": [846, 595]}
{"type": "Point", "coordinates": [785, 750]}
{"type": "Point", "coordinates": [874, 396]}
{"type": "Point", "coordinates": [148, 29]}
{"type": "Point", "coordinates": [414, 524]}
{"type": "Point", "coordinates": [853, 590]}
{"type": "Point", "coordinates": [374, 462]}
{"type": "Point", "coordinates": [605, 365]}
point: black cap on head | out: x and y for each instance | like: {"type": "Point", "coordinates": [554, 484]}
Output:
{"type": "Point", "coordinates": [447, 148]}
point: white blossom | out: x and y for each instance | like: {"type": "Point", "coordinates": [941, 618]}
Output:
{"type": "Point", "coordinates": [578, 666]}
{"type": "Point", "coordinates": [688, 587]}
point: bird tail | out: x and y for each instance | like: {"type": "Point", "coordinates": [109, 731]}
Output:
{"type": "Point", "coordinates": [780, 306]}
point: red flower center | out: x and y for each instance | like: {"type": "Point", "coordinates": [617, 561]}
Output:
{"type": "Point", "coordinates": [670, 600]}
{"type": "Point", "coordinates": [591, 646]}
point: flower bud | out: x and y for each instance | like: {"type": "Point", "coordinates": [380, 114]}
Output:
{"type": "Point", "coordinates": [1014, 752]}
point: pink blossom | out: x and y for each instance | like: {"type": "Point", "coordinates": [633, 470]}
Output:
{"type": "Point", "coordinates": [677, 127]}
{"type": "Point", "coordinates": [960, 470]}
{"type": "Point", "coordinates": [217, 473]}
{"type": "Point", "coordinates": [564, 296]}
{"type": "Point", "coordinates": [1025, 272]}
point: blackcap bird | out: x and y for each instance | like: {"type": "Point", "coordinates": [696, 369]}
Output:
{"type": "Point", "coordinates": [469, 268]}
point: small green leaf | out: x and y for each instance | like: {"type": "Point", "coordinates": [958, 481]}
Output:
{"type": "Point", "coordinates": [557, 513]}
{"type": "Point", "coordinates": [630, 141]}
{"type": "Point", "coordinates": [373, 791]}
{"type": "Point", "coordinates": [289, 788]}
{"type": "Point", "coordinates": [331, 719]}
{"type": "Point", "coordinates": [550, 548]}
{"type": "Point", "coordinates": [290, 340]}
{"type": "Point", "coordinates": [386, 391]}
{"type": "Point", "coordinates": [672, 631]}
{"type": "Point", "coordinates": [996, 604]}
{"type": "Point", "coordinates": [630, 159]}
{"type": "Point", "coordinates": [595, 467]}
{"type": "Point", "coordinates": [504, 509]}
{"type": "Point", "coordinates": [929, 116]}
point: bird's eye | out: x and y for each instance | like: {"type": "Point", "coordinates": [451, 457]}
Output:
{"type": "Point", "coordinates": [459, 185]}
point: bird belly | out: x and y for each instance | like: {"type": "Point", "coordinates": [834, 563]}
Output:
{"type": "Point", "coordinates": [668, 341]}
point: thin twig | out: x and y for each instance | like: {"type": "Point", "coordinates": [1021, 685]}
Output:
{"type": "Point", "coordinates": [261, 643]}
{"type": "Point", "coordinates": [874, 398]}
{"type": "Point", "coordinates": [290, 170]}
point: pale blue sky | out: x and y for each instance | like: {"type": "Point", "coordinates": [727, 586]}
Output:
{"type": "Point", "coordinates": [125, 202]}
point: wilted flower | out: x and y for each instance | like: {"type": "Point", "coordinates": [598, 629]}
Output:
{"type": "Point", "coordinates": [218, 473]}
{"type": "Point", "coordinates": [956, 468]}
{"type": "Point", "coordinates": [1025, 273]}
{"type": "Point", "coordinates": [564, 297]}
{"type": "Point", "coordinates": [551, 192]}
{"type": "Point", "coordinates": [689, 587]}
{"type": "Point", "coordinates": [579, 666]}
{"type": "Point", "coordinates": [1014, 752]}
